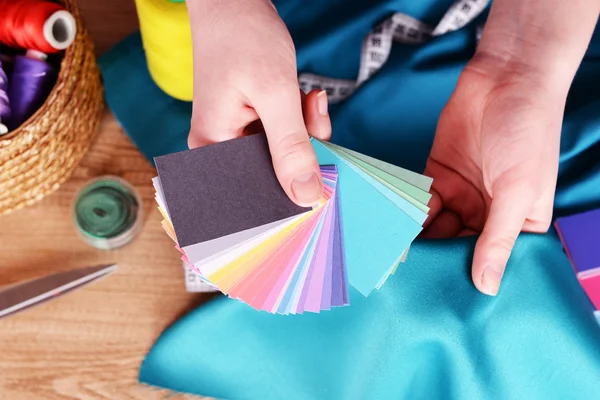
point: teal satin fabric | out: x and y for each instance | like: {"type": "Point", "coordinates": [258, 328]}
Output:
{"type": "Point", "coordinates": [427, 333]}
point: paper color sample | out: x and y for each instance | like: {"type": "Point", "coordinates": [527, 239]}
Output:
{"type": "Point", "coordinates": [580, 236]}
{"type": "Point", "coordinates": [245, 272]}
{"type": "Point", "coordinates": [371, 248]}
{"type": "Point", "coordinates": [590, 282]}
{"type": "Point", "coordinates": [421, 181]}
{"type": "Point", "coordinates": [278, 257]}
{"type": "Point", "coordinates": [235, 183]}
{"type": "Point", "coordinates": [400, 202]}
{"type": "Point", "coordinates": [417, 196]}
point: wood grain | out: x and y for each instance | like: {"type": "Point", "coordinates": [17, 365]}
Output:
{"type": "Point", "coordinates": [89, 343]}
{"type": "Point", "coordinates": [108, 21]}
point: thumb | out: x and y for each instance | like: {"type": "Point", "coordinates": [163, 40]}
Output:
{"type": "Point", "coordinates": [508, 211]}
{"type": "Point", "coordinates": [316, 115]}
{"type": "Point", "coordinates": [294, 160]}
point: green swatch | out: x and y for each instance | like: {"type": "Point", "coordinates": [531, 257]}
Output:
{"type": "Point", "coordinates": [410, 177]}
{"type": "Point", "coordinates": [417, 197]}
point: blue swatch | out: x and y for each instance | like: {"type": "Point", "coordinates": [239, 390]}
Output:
{"type": "Point", "coordinates": [415, 213]}
{"type": "Point", "coordinates": [374, 232]}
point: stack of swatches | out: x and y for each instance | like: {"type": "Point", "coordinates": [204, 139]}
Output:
{"type": "Point", "coordinates": [580, 236]}
{"type": "Point", "coordinates": [230, 218]}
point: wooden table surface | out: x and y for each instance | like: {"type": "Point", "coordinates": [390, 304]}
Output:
{"type": "Point", "coordinates": [90, 343]}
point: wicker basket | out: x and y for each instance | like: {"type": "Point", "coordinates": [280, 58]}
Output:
{"type": "Point", "coordinates": [40, 155]}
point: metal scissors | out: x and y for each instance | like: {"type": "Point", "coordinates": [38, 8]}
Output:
{"type": "Point", "coordinates": [17, 297]}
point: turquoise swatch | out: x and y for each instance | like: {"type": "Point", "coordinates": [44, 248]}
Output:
{"type": "Point", "coordinates": [376, 229]}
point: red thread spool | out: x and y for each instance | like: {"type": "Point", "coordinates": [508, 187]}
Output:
{"type": "Point", "coordinates": [36, 24]}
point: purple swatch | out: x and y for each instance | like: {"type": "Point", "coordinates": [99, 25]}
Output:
{"type": "Point", "coordinates": [339, 295]}
{"type": "Point", "coordinates": [580, 234]}
{"type": "Point", "coordinates": [328, 167]}
{"type": "Point", "coordinates": [334, 280]}
{"type": "Point", "coordinates": [314, 288]}
{"type": "Point", "coordinates": [327, 280]}
{"type": "Point", "coordinates": [345, 286]}
{"type": "Point", "coordinates": [303, 295]}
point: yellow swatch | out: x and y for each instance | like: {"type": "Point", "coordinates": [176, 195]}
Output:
{"type": "Point", "coordinates": [260, 262]}
{"type": "Point", "coordinates": [166, 217]}
{"type": "Point", "coordinates": [167, 228]}
{"type": "Point", "coordinates": [225, 277]}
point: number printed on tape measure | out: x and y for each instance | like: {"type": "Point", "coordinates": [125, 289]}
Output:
{"type": "Point", "coordinates": [194, 282]}
{"type": "Point", "coordinates": [377, 46]}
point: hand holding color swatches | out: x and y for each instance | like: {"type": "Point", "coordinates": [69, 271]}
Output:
{"type": "Point", "coordinates": [232, 222]}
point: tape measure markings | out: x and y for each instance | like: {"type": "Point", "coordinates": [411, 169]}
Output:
{"type": "Point", "coordinates": [377, 46]}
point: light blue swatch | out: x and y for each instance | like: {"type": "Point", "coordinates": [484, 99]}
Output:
{"type": "Point", "coordinates": [305, 266]}
{"type": "Point", "coordinates": [374, 227]}
{"type": "Point", "coordinates": [285, 307]}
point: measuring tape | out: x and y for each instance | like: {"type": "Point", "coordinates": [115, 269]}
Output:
{"type": "Point", "coordinates": [377, 45]}
{"type": "Point", "coordinates": [195, 283]}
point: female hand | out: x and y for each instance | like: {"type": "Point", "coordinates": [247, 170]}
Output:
{"type": "Point", "coordinates": [245, 81]}
{"type": "Point", "coordinates": [494, 162]}
{"type": "Point", "coordinates": [495, 155]}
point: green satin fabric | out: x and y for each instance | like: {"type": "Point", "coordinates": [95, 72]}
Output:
{"type": "Point", "coordinates": [427, 333]}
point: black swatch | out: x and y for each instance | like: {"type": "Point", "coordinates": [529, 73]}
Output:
{"type": "Point", "coordinates": [223, 188]}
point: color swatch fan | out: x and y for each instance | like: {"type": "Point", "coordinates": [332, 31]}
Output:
{"type": "Point", "coordinates": [224, 207]}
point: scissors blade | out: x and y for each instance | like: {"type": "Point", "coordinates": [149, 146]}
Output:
{"type": "Point", "coordinates": [26, 294]}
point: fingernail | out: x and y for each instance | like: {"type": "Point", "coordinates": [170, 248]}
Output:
{"type": "Point", "coordinates": [490, 280]}
{"type": "Point", "coordinates": [306, 188]}
{"type": "Point", "coordinates": [322, 103]}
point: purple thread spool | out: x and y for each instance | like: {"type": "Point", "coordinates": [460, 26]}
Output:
{"type": "Point", "coordinates": [30, 82]}
{"type": "Point", "coordinates": [4, 102]}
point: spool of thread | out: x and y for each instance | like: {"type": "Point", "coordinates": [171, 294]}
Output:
{"type": "Point", "coordinates": [30, 82]}
{"type": "Point", "coordinates": [108, 213]}
{"type": "Point", "coordinates": [4, 102]}
{"type": "Point", "coordinates": [36, 24]}
{"type": "Point", "coordinates": [167, 38]}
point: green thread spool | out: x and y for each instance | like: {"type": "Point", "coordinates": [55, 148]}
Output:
{"type": "Point", "coordinates": [107, 213]}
